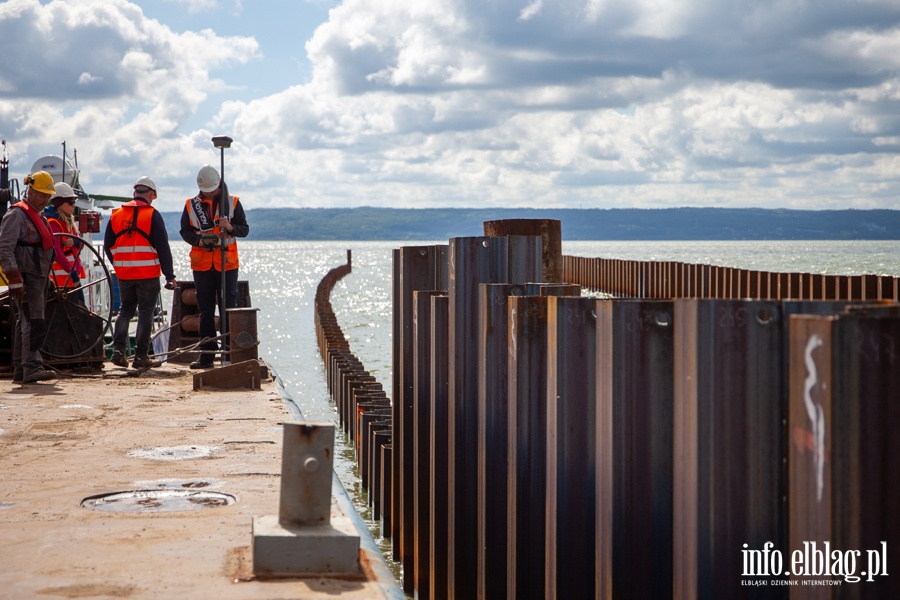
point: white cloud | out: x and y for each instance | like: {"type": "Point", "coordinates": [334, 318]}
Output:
{"type": "Point", "coordinates": [87, 79]}
{"type": "Point", "coordinates": [503, 103]}
{"type": "Point", "coordinates": [122, 102]}
{"type": "Point", "coordinates": [534, 8]}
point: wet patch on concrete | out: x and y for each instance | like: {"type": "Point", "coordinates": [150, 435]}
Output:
{"type": "Point", "coordinates": [177, 425]}
{"type": "Point", "coordinates": [90, 590]}
{"type": "Point", "coordinates": [158, 501]}
{"type": "Point", "coordinates": [173, 452]}
{"type": "Point", "coordinates": [178, 484]}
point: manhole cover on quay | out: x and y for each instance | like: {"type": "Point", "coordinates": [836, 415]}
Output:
{"type": "Point", "coordinates": [158, 501]}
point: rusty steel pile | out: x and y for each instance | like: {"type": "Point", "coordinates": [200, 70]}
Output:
{"type": "Point", "coordinates": [666, 441]}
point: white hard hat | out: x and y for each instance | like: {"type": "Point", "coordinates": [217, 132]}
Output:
{"type": "Point", "coordinates": [63, 190]}
{"type": "Point", "coordinates": [207, 178]}
{"type": "Point", "coordinates": [146, 182]}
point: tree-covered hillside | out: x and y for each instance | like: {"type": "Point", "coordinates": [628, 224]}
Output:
{"type": "Point", "coordinates": [366, 223]}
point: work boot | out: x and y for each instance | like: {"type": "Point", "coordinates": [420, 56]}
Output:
{"type": "Point", "coordinates": [18, 377]}
{"type": "Point", "coordinates": [203, 363]}
{"type": "Point", "coordinates": [39, 375]}
{"type": "Point", "coordinates": [144, 362]}
{"type": "Point", "coordinates": [119, 359]}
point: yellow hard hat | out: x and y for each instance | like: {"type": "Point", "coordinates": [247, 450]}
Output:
{"type": "Point", "coordinates": [40, 181]}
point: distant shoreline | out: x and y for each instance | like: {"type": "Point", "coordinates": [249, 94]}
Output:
{"type": "Point", "coordinates": [374, 224]}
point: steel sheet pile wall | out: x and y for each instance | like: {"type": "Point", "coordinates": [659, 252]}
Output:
{"type": "Point", "coordinates": [728, 442]}
{"type": "Point", "coordinates": [473, 260]}
{"type": "Point", "coordinates": [571, 441]}
{"type": "Point", "coordinates": [527, 455]}
{"type": "Point", "coordinates": [416, 269]}
{"type": "Point", "coordinates": [843, 424]}
{"type": "Point", "coordinates": [634, 379]}
{"type": "Point", "coordinates": [493, 435]}
{"type": "Point", "coordinates": [363, 406]}
{"type": "Point", "coordinates": [670, 280]}
{"type": "Point", "coordinates": [665, 443]}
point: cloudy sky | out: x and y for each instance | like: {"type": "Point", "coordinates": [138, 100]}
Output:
{"type": "Point", "coordinates": [479, 103]}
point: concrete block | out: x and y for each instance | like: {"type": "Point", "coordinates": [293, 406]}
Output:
{"type": "Point", "coordinates": [292, 550]}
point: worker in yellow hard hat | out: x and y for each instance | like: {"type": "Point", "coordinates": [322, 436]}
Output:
{"type": "Point", "coordinates": [26, 253]}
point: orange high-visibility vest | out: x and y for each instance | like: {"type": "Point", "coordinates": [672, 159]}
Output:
{"type": "Point", "coordinates": [58, 273]}
{"type": "Point", "coordinates": [133, 256]}
{"type": "Point", "coordinates": [204, 259]}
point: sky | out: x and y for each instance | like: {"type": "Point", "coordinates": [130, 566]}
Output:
{"type": "Point", "coordinates": [464, 103]}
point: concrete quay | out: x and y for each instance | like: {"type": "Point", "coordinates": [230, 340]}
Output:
{"type": "Point", "coordinates": [195, 467]}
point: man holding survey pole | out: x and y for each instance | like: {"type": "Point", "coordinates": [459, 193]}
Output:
{"type": "Point", "coordinates": [210, 223]}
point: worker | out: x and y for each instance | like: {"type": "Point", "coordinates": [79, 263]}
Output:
{"type": "Point", "coordinates": [26, 252]}
{"type": "Point", "coordinates": [205, 226]}
{"type": "Point", "coordinates": [137, 244]}
{"type": "Point", "coordinates": [67, 270]}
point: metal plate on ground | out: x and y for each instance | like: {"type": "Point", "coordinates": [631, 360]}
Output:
{"type": "Point", "coordinates": [240, 375]}
{"type": "Point", "coordinates": [158, 501]}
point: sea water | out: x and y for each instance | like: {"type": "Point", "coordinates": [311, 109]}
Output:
{"type": "Point", "coordinates": [283, 277]}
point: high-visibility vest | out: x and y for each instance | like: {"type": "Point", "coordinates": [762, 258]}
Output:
{"type": "Point", "coordinates": [133, 256]}
{"type": "Point", "coordinates": [204, 259]}
{"type": "Point", "coordinates": [57, 272]}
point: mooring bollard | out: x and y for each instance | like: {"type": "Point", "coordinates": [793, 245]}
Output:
{"type": "Point", "coordinates": [304, 538]}
{"type": "Point", "coordinates": [307, 459]}
{"type": "Point", "coordinates": [242, 332]}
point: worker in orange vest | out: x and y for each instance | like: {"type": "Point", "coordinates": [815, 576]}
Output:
{"type": "Point", "coordinates": [137, 244]}
{"type": "Point", "coordinates": [206, 229]}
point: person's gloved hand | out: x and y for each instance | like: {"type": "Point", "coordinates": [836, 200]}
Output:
{"type": "Point", "coordinates": [16, 285]}
{"type": "Point", "coordinates": [170, 284]}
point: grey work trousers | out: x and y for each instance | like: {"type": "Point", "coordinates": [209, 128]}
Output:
{"type": "Point", "coordinates": [30, 325]}
{"type": "Point", "coordinates": [136, 295]}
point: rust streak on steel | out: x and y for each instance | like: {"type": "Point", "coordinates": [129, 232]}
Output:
{"type": "Point", "coordinates": [473, 260]}
{"type": "Point", "coordinates": [571, 440]}
{"type": "Point", "coordinates": [421, 437]}
{"type": "Point", "coordinates": [550, 232]}
{"type": "Point", "coordinates": [419, 268]}
{"type": "Point", "coordinates": [634, 448]}
{"type": "Point", "coordinates": [527, 445]}
{"type": "Point", "coordinates": [728, 411]}
{"type": "Point", "coordinates": [493, 435]}
{"type": "Point", "coordinates": [439, 496]}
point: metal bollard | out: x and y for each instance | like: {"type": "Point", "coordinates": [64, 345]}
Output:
{"type": "Point", "coordinates": [305, 538]}
{"type": "Point", "coordinates": [306, 464]}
